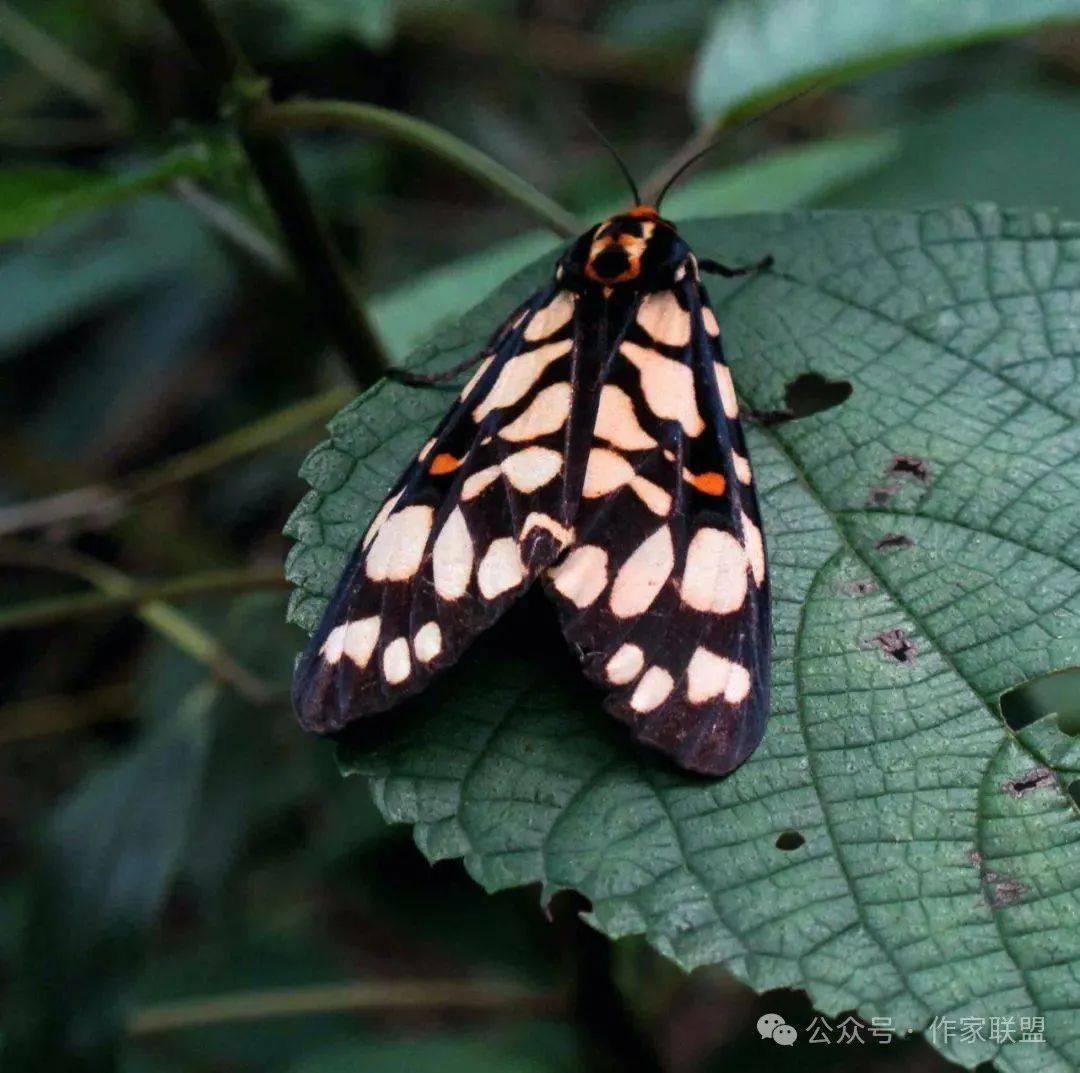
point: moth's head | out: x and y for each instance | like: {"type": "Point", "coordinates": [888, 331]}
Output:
{"type": "Point", "coordinates": [637, 249]}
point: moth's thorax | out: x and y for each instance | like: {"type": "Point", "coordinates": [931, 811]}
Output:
{"type": "Point", "coordinates": [635, 250]}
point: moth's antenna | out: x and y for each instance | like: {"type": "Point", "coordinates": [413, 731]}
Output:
{"type": "Point", "coordinates": [687, 164]}
{"type": "Point", "coordinates": [618, 159]}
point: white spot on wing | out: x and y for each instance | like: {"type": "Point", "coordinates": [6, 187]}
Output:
{"type": "Point", "coordinates": [452, 557]}
{"type": "Point", "coordinates": [709, 319]}
{"type": "Point", "coordinates": [547, 413]}
{"type": "Point", "coordinates": [625, 665]}
{"type": "Point", "coordinates": [396, 662]}
{"type": "Point", "coordinates": [664, 319]}
{"type": "Point", "coordinates": [668, 387]}
{"type": "Point", "coordinates": [652, 690]}
{"type": "Point", "coordinates": [476, 483]}
{"type": "Point", "coordinates": [476, 377]}
{"type": "Point", "coordinates": [551, 318]}
{"type": "Point", "coordinates": [727, 389]}
{"type": "Point", "coordinates": [742, 467]}
{"type": "Point", "coordinates": [427, 643]}
{"type": "Point", "coordinates": [355, 640]}
{"type": "Point", "coordinates": [607, 471]}
{"type": "Point", "coordinates": [641, 577]}
{"type": "Point", "coordinates": [536, 520]}
{"type": "Point", "coordinates": [398, 547]}
{"type": "Point", "coordinates": [518, 375]}
{"type": "Point", "coordinates": [617, 423]}
{"type": "Point", "coordinates": [709, 675]}
{"type": "Point", "coordinates": [531, 468]}
{"type": "Point", "coordinates": [384, 513]}
{"type": "Point", "coordinates": [755, 548]}
{"type": "Point", "coordinates": [582, 575]}
{"type": "Point", "coordinates": [501, 568]}
{"type": "Point", "coordinates": [714, 578]}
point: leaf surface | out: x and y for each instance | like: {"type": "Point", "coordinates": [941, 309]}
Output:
{"type": "Point", "coordinates": [924, 550]}
{"type": "Point", "coordinates": [762, 50]}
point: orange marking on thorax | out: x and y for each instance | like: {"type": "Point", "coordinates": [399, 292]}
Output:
{"type": "Point", "coordinates": [444, 463]}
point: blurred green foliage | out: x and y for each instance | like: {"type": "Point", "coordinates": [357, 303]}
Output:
{"type": "Point", "coordinates": [172, 840]}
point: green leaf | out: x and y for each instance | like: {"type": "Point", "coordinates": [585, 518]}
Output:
{"type": "Point", "coordinates": [763, 50]}
{"type": "Point", "coordinates": [1017, 146]}
{"type": "Point", "coordinates": [108, 859]}
{"type": "Point", "coordinates": [33, 198]}
{"type": "Point", "coordinates": [957, 331]}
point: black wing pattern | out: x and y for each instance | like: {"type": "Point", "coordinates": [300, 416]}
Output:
{"type": "Point", "coordinates": [484, 507]}
{"type": "Point", "coordinates": [664, 591]}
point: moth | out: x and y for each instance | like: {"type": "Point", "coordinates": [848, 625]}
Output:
{"type": "Point", "coordinates": [597, 447]}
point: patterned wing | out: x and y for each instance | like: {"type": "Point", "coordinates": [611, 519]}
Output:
{"type": "Point", "coordinates": [664, 592]}
{"type": "Point", "coordinates": [477, 515]}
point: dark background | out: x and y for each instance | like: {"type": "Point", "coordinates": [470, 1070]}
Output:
{"type": "Point", "coordinates": [138, 332]}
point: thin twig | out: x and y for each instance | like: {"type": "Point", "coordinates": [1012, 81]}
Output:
{"type": "Point", "coordinates": [107, 500]}
{"type": "Point", "coordinates": [319, 265]}
{"type": "Point", "coordinates": [61, 66]}
{"type": "Point", "coordinates": [187, 587]}
{"type": "Point", "coordinates": [376, 996]}
{"type": "Point", "coordinates": [173, 625]}
{"type": "Point", "coordinates": [232, 226]}
{"type": "Point", "coordinates": [408, 130]}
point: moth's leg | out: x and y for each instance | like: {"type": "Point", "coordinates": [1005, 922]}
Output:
{"type": "Point", "coordinates": [403, 376]}
{"type": "Point", "coordinates": [765, 418]}
{"type": "Point", "coordinates": [708, 265]}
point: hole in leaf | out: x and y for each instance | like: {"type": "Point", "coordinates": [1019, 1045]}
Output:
{"type": "Point", "coordinates": [1038, 778]}
{"type": "Point", "coordinates": [895, 644]}
{"type": "Point", "coordinates": [789, 840]}
{"type": "Point", "coordinates": [811, 393]}
{"type": "Point", "coordinates": [1057, 694]}
{"type": "Point", "coordinates": [893, 542]}
{"type": "Point", "coordinates": [910, 466]}
{"type": "Point", "coordinates": [1074, 792]}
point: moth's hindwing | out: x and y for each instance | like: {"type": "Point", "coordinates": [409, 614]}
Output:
{"type": "Point", "coordinates": [481, 510]}
{"type": "Point", "coordinates": [664, 592]}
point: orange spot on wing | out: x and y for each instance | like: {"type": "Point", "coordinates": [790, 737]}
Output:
{"type": "Point", "coordinates": [443, 463]}
{"type": "Point", "coordinates": [712, 484]}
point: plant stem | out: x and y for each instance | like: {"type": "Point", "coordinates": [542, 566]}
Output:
{"type": "Point", "coordinates": [320, 266]}
{"type": "Point", "coordinates": [371, 119]}
{"type": "Point", "coordinates": [173, 625]}
{"type": "Point", "coordinates": [233, 227]}
{"type": "Point", "coordinates": [106, 500]}
{"type": "Point", "coordinates": [60, 65]}
{"type": "Point", "coordinates": [376, 996]}
{"type": "Point", "coordinates": [207, 582]}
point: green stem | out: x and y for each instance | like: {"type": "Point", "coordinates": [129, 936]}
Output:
{"type": "Point", "coordinates": [369, 118]}
{"type": "Point", "coordinates": [320, 266]}
{"type": "Point", "coordinates": [78, 605]}
{"type": "Point", "coordinates": [173, 625]}
{"type": "Point", "coordinates": [106, 500]}
{"type": "Point", "coordinates": [375, 996]}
